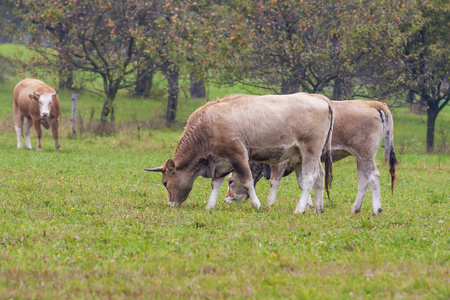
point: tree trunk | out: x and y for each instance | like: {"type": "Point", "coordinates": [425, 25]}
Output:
{"type": "Point", "coordinates": [107, 115]}
{"type": "Point", "coordinates": [143, 84]}
{"type": "Point", "coordinates": [432, 112]}
{"type": "Point", "coordinates": [197, 88]}
{"type": "Point", "coordinates": [337, 89]}
{"type": "Point", "coordinates": [172, 101]}
{"type": "Point", "coordinates": [290, 86]}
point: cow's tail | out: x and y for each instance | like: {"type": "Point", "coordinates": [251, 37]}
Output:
{"type": "Point", "coordinates": [389, 152]}
{"type": "Point", "coordinates": [327, 152]}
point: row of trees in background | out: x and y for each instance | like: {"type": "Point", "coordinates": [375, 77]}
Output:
{"type": "Point", "coordinates": [375, 49]}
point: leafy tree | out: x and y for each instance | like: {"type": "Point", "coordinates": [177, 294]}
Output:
{"type": "Point", "coordinates": [426, 60]}
{"type": "Point", "coordinates": [286, 46]}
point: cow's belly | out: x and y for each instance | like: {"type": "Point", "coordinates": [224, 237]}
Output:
{"type": "Point", "coordinates": [273, 155]}
{"type": "Point", "coordinates": [339, 154]}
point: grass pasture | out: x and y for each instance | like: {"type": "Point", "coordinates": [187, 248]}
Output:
{"type": "Point", "coordinates": [88, 222]}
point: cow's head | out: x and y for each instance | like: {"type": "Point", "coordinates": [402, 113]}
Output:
{"type": "Point", "coordinates": [236, 191]}
{"type": "Point", "coordinates": [177, 182]}
{"type": "Point", "coordinates": [45, 101]}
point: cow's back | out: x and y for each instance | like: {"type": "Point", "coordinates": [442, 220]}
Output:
{"type": "Point", "coordinates": [269, 128]}
{"type": "Point", "coordinates": [269, 119]}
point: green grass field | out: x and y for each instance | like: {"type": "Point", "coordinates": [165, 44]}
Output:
{"type": "Point", "coordinates": [88, 222]}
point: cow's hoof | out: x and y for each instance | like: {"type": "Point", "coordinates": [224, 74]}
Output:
{"type": "Point", "coordinates": [39, 149]}
{"type": "Point", "coordinates": [257, 205]}
{"type": "Point", "coordinates": [356, 211]}
{"type": "Point", "coordinates": [319, 211]}
{"type": "Point", "coordinates": [298, 212]}
{"type": "Point", "coordinates": [378, 212]}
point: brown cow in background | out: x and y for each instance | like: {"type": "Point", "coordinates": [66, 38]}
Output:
{"type": "Point", "coordinates": [39, 103]}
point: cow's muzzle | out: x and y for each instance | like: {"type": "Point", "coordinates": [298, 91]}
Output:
{"type": "Point", "coordinates": [174, 204]}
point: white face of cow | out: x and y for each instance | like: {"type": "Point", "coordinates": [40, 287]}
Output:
{"type": "Point", "coordinates": [45, 101]}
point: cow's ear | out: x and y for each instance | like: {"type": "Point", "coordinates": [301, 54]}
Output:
{"type": "Point", "coordinates": [34, 96]}
{"type": "Point", "coordinates": [170, 166]}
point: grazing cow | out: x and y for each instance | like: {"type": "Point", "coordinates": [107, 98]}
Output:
{"type": "Point", "coordinates": [359, 127]}
{"type": "Point", "coordinates": [223, 135]}
{"type": "Point", "coordinates": [39, 103]}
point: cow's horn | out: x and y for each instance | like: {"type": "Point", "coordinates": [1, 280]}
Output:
{"type": "Point", "coordinates": [158, 169]}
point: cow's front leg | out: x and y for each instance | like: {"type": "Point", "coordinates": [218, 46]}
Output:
{"type": "Point", "coordinates": [275, 181]}
{"type": "Point", "coordinates": [216, 185]}
{"type": "Point", "coordinates": [242, 169]}
{"type": "Point", "coordinates": [18, 122]}
{"type": "Point", "coordinates": [37, 126]}
{"type": "Point", "coordinates": [55, 134]}
{"type": "Point", "coordinates": [19, 136]}
{"type": "Point", "coordinates": [28, 125]}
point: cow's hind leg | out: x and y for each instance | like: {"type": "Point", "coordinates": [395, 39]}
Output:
{"type": "Point", "coordinates": [28, 125]}
{"type": "Point", "coordinates": [55, 134]}
{"type": "Point", "coordinates": [216, 185]}
{"type": "Point", "coordinates": [309, 174]}
{"type": "Point", "coordinates": [242, 169]}
{"type": "Point", "coordinates": [373, 176]}
{"type": "Point", "coordinates": [362, 188]}
{"type": "Point", "coordinates": [318, 188]}
{"type": "Point", "coordinates": [368, 175]}
{"type": "Point", "coordinates": [298, 173]}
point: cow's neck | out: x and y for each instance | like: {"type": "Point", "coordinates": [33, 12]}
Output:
{"type": "Point", "coordinates": [192, 148]}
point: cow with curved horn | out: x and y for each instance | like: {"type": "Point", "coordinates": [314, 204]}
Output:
{"type": "Point", "coordinates": [224, 135]}
{"type": "Point", "coordinates": [359, 128]}
{"type": "Point", "coordinates": [39, 104]}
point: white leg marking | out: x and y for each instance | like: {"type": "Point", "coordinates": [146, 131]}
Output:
{"type": "Point", "coordinates": [374, 183]}
{"type": "Point", "coordinates": [309, 203]}
{"type": "Point", "coordinates": [28, 125]}
{"type": "Point", "coordinates": [272, 197]}
{"type": "Point", "coordinates": [19, 136]}
{"type": "Point", "coordinates": [318, 189]}
{"type": "Point", "coordinates": [253, 198]}
{"type": "Point", "coordinates": [216, 185]}
{"type": "Point", "coordinates": [309, 176]}
{"type": "Point", "coordinates": [362, 189]}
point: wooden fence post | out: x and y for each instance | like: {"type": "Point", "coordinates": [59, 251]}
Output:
{"type": "Point", "coordinates": [74, 114]}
